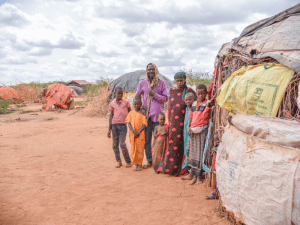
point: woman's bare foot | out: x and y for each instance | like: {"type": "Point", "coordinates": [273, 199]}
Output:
{"type": "Point", "coordinates": [199, 180]}
{"type": "Point", "coordinates": [187, 177]}
{"type": "Point", "coordinates": [139, 168]}
{"type": "Point", "coordinates": [135, 167]}
{"type": "Point", "coordinates": [119, 164]}
{"type": "Point", "coordinates": [128, 165]}
{"type": "Point", "coordinates": [193, 181]}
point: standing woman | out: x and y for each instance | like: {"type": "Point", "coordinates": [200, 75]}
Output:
{"type": "Point", "coordinates": [176, 112]}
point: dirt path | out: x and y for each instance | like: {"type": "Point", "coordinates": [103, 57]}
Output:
{"type": "Point", "coordinates": [58, 168]}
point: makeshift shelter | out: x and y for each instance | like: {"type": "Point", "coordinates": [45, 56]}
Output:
{"type": "Point", "coordinates": [58, 95]}
{"type": "Point", "coordinates": [130, 82]}
{"type": "Point", "coordinates": [258, 73]}
{"type": "Point", "coordinates": [76, 90]}
{"type": "Point", "coordinates": [9, 93]}
{"type": "Point", "coordinates": [78, 83]}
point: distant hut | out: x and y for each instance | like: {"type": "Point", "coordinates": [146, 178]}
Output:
{"type": "Point", "coordinates": [130, 82]}
{"type": "Point", "coordinates": [78, 83]}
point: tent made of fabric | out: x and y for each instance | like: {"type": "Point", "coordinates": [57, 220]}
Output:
{"type": "Point", "coordinates": [130, 81]}
{"type": "Point", "coordinates": [58, 95]}
{"type": "Point", "coordinates": [277, 37]}
{"type": "Point", "coordinates": [9, 93]}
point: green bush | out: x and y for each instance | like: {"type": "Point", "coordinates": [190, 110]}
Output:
{"type": "Point", "coordinates": [93, 88]}
{"type": "Point", "coordinates": [4, 107]}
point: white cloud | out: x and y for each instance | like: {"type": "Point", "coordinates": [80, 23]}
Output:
{"type": "Point", "coordinates": [12, 16]}
{"type": "Point", "coordinates": [69, 39]}
{"type": "Point", "coordinates": [20, 60]}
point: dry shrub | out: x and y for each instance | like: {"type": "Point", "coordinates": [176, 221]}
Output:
{"type": "Point", "coordinates": [96, 103]}
{"type": "Point", "coordinates": [29, 93]}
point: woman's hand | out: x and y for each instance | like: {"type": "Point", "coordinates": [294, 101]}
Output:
{"type": "Point", "coordinates": [109, 133]}
{"type": "Point", "coordinates": [151, 92]}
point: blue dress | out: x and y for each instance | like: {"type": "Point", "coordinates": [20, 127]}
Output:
{"type": "Point", "coordinates": [186, 140]}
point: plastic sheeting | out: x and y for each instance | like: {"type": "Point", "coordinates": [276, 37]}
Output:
{"type": "Point", "coordinates": [255, 90]}
{"type": "Point", "coordinates": [9, 93]}
{"type": "Point", "coordinates": [256, 179]}
{"type": "Point", "coordinates": [77, 90]}
{"type": "Point", "coordinates": [274, 130]}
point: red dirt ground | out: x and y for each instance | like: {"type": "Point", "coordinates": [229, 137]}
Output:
{"type": "Point", "coordinates": [58, 168]}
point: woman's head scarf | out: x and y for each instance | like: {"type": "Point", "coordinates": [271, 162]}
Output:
{"type": "Point", "coordinates": [151, 85]}
{"type": "Point", "coordinates": [182, 74]}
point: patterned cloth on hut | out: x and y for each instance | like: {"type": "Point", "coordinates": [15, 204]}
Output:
{"type": "Point", "coordinates": [160, 145]}
{"type": "Point", "coordinates": [9, 93]}
{"type": "Point", "coordinates": [136, 120]}
{"type": "Point", "coordinates": [59, 95]}
{"type": "Point", "coordinates": [176, 114]}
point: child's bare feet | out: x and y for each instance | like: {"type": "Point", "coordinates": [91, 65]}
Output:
{"type": "Point", "coordinates": [199, 180]}
{"type": "Point", "coordinates": [187, 177]}
{"type": "Point", "coordinates": [135, 167]}
{"type": "Point", "coordinates": [193, 181]}
{"type": "Point", "coordinates": [119, 164]}
{"type": "Point", "coordinates": [139, 168]}
{"type": "Point", "coordinates": [128, 165]}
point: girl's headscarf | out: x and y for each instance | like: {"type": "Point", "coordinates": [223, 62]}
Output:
{"type": "Point", "coordinates": [155, 82]}
{"type": "Point", "coordinates": [182, 74]}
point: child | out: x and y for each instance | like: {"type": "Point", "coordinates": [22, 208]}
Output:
{"type": "Point", "coordinates": [119, 109]}
{"type": "Point", "coordinates": [197, 129]}
{"type": "Point", "coordinates": [137, 124]}
{"type": "Point", "coordinates": [189, 99]}
{"type": "Point", "coordinates": [160, 143]}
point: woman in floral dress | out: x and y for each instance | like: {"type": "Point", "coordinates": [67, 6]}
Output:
{"type": "Point", "coordinates": [176, 111]}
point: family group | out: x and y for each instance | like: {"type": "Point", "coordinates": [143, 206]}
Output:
{"type": "Point", "coordinates": [177, 147]}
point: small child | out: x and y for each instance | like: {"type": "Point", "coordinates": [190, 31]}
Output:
{"type": "Point", "coordinates": [119, 109]}
{"type": "Point", "coordinates": [197, 129]}
{"type": "Point", "coordinates": [189, 99]}
{"type": "Point", "coordinates": [137, 124]}
{"type": "Point", "coordinates": [160, 143]}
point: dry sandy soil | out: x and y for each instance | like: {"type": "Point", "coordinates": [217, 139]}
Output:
{"type": "Point", "coordinates": [58, 168]}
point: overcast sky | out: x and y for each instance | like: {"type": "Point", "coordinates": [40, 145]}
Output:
{"type": "Point", "coordinates": [47, 40]}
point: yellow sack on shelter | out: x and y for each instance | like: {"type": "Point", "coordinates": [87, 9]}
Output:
{"type": "Point", "coordinates": [127, 95]}
{"type": "Point", "coordinates": [255, 90]}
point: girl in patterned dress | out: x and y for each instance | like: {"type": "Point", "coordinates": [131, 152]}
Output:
{"type": "Point", "coordinates": [176, 113]}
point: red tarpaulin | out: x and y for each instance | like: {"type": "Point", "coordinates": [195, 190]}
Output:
{"type": "Point", "coordinates": [58, 94]}
{"type": "Point", "coordinates": [9, 93]}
